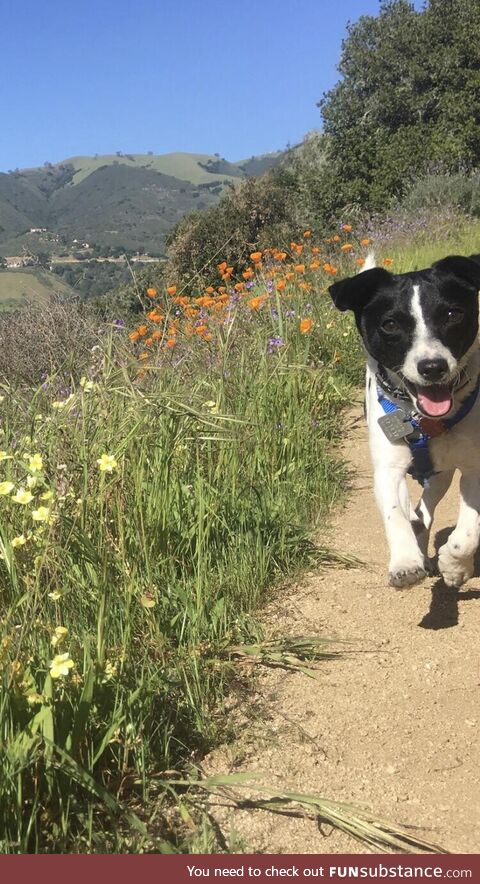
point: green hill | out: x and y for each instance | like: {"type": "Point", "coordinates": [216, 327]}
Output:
{"type": "Point", "coordinates": [113, 200]}
{"type": "Point", "coordinates": [29, 285]}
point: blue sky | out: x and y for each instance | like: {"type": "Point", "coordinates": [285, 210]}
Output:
{"type": "Point", "coordinates": [237, 78]}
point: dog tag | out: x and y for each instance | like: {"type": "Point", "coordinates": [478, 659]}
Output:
{"type": "Point", "coordinates": [395, 427]}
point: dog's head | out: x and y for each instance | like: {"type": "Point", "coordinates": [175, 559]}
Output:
{"type": "Point", "coordinates": [421, 325]}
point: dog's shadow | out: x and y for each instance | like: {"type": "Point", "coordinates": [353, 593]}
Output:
{"type": "Point", "coordinates": [443, 611]}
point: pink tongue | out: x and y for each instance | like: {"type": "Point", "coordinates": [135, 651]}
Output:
{"type": "Point", "coordinates": [435, 400]}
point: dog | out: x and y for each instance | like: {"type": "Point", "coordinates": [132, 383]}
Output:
{"type": "Point", "coordinates": [420, 333]}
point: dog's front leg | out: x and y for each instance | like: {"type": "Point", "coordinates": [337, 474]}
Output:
{"type": "Point", "coordinates": [455, 557]}
{"type": "Point", "coordinates": [407, 564]}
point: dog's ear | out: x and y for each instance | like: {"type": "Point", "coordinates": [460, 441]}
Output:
{"type": "Point", "coordinates": [466, 269]}
{"type": "Point", "coordinates": [354, 292]}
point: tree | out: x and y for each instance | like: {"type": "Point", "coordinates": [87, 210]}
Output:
{"type": "Point", "coordinates": [408, 101]}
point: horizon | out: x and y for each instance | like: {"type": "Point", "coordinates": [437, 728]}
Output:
{"type": "Point", "coordinates": [170, 80]}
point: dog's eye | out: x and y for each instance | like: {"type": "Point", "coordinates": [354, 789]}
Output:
{"type": "Point", "coordinates": [455, 314]}
{"type": "Point", "coordinates": [390, 326]}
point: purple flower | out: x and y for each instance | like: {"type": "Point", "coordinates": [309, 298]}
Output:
{"type": "Point", "coordinates": [119, 323]}
{"type": "Point", "coordinates": [275, 343]}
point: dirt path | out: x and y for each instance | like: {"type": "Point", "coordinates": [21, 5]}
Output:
{"type": "Point", "coordinates": [394, 725]}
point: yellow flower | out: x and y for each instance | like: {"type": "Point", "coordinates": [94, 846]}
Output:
{"type": "Point", "coordinates": [61, 665]}
{"type": "Point", "coordinates": [60, 633]}
{"type": "Point", "coordinates": [20, 540]}
{"type": "Point", "coordinates": [35, 463]}
{"type": "Point", "coordinates": [5, 456]}
{"type": "Point", "coordinates": [42, 514]}
{"type": "Point", "coordinates": [31, 481]}
{"type": "Point", "coordinates": [6, 487]}
{"type": "Point", "coordinates": [55, 595]}
{"type": "Point", "coordinates": [86, 384]}
{"type": "Point", "coordinates": [47, 495]}
{"type": "Point", "coordinates": [22, 496]}
{"type": "Point", "coordinates": [107, 463]}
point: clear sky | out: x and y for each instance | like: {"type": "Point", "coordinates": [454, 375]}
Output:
{"type": "Point", "coordinates": [97, 76]}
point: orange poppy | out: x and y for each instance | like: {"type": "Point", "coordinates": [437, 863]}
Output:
{"type": "Point", "coordinates": [305, 326]}
{"type": "Point", "coordinates": [280, 285]}
{"type": "Point", "coordinates": [387, 262]}
{"type": "Point", "coordinates": [256, 257]}
{"type": "Point", "coordinates": [365, 242]}
{"type": "Point", "coordinates": [300, 268]}
{"type": "Point", "coordinates": [172, 290]}
{"type": "Point", "coordinates": [307, 234]}
{"type": "Point", "coordinates": [151, 292]}
{"type": "Point", "coordinates": [347, 228]}
{"type": "Point", "coordinates": [347, 247]}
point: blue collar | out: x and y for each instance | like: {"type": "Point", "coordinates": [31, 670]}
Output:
{"type": "Point", "coordinates": [424, 429]}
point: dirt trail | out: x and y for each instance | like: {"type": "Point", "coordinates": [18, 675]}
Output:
{"type": "Point", "coordinates": [393, 725]}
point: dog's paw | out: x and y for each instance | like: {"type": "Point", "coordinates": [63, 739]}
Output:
{"type": "Point", "coordinates": [454, 570]}
{"type": "Point", "coordinates": [406, 575]}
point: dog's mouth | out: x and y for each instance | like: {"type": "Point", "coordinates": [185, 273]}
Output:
{"type": "Point", "coordinates": [434, 400]}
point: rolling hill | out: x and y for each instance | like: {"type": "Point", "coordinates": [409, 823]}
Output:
{"type": "Point", "coordinates": [29, 285]}
{"type": "Point", "coordinates": [128, 201]}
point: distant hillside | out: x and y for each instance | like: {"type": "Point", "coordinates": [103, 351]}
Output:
{"type": "Point", "coordinates": [30, 285]}
{"type": "Point", "coordinates": [122, 200]}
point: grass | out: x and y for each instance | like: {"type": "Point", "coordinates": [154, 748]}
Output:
{"type": "Point", "coordinates": [147, 509]}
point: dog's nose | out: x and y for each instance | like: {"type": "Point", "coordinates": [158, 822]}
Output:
{"type": "Point", "coordinates": [432, 369]}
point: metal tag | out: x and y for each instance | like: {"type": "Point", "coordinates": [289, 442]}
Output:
{"type": "Point", "coordinates": [394, 426]}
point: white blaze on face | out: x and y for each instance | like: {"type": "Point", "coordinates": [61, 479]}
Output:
{"type": "Point", "coordinates": [424, 344]}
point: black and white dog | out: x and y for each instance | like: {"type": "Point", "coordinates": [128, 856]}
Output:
{"type": "Point", "coordinates": [422, 405]}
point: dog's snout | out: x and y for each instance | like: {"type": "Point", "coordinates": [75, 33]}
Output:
{"type": "Point", "coordinates": [432, 370]}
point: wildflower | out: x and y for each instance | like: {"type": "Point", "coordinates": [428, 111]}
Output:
{"type": "Point", "coordinates": [307, 234]}
{"type": "Point", "coordinates": [19, 540]}
{"type": "Point", "coordinates": [172, 290]}
{"type": "Point", "coordinates": [329, 268]}
{"type": "Point", "coordinates": [147, 600]}
{"type": "Point", "coordinates": [305, 326]}
{"type": "Point", "coordinates": [22, 496]}
{"type": "Point", "coordinates": [31, 481]}
{"type": "Point", "coordinates": [222, 267]}
{"type": "Point", "coordinates": [109, 671]}
{"type": "Point", "coordinates": [61, 665]}
{"type": "Point", "coordinates": [5, 456]}
{"type": "Point", "coordinates": [365, 242]}
{"type": "Point", "coordinates": [314, 265]}
{"type": "Point", "coordinates": [300, 268]}
{"type": "Point", "coordinates": [256, 257]}
{"type": "Point", "coordinates": [152, 292]}
{"type": "Point", "coordinates": [347, 228]}
{"type": "Point", "coordinates": [335, 238]}
{"type": "Point", "coordinates": [212, 406]}
{"type": "Point", "coordinates": [347, 247]}
{"type": "Point", "coordinates": [86, 385]}
{"type": "Point", "coordinates": [35, 463]}
{"type": "Point", "coordinates": [47, 495]}
{"type": "Point", "coordinates": [42, 514]}
{"type": "Point", "coordinates": [119, 323]}
{"type": "Point", "coordinates": [275, 343]}
{"type": "Point", "coordinates": [6, 487]}
{"type": "Point", "coordinates": [360, 262]}
{"type": "Point", "coordinates": [279, 256]}
{"type": "Point", "coordinates": [387, 262]}
{"type": "Point", "coordinates": [107, 463]}
{"type": "Point", "coordinates": [56, 595]}
{"type": "Point", "coordinates": [171, 343]}
{"type": "Point", "coordinates": [280, 285]}
{"type": "Point", "coordinates": [256, 303]}
{"type": "Point", "coordinates": [60, 633]}
{"type": "Point", "coordinates": [144, 355]}
{"type": "Point", "coordinates": [34, 699]}
{"type": "Point", "coordinates": [134, 336]}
